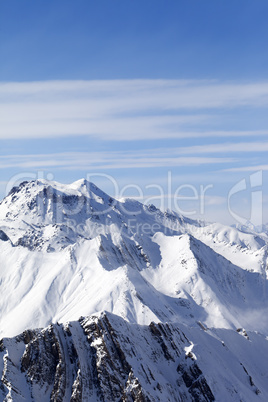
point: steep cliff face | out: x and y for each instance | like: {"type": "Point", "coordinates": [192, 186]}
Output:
{"type": "Point", "coordinates": [178, 292]}
{"type": "Point", "coordinates": [104, 358]}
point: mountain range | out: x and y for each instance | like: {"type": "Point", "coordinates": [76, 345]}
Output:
{"type": "Point", "coordinates": [112, 300]}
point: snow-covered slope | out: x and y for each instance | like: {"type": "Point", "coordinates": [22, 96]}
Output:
{"type": "Point", "coordinates": [177, 294]}
{"type": "Point", "coordinates": [72, 250]}
{"type": "Point", "coordinates": [104, 358]}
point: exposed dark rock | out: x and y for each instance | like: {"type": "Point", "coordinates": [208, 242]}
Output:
{"type": "Point", "coordinates": [3, 236]}
{"type": "Point", "coordinates": [98, 359]}
{"type": "Point", "coordinates": [195, 382]}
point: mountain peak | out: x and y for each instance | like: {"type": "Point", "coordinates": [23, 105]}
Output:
{"type": "Point", "coordinates": [70, 251]}
{"type": "Point", "coordinates": [79, 187]}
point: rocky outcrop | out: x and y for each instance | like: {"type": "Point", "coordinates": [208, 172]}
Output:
{"type": "Point", "coordinates": [71, 250]}
{"type": "Point", "coordinates": [3, 236]}
{"type": "Point", "coordinates": [100, 358]}
{"type": "Point", "coordinates": [104, 358]}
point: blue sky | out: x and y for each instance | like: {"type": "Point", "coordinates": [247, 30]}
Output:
{"type": "Point", "coordinates": [138, 93]}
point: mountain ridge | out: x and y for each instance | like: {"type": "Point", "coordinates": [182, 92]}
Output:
{"type": "Point", "coordinates": [133, 260]}
{"type": "Point", "coordinates": [104, 358]}
{"type": "Point", "coordinates": [132, 303]}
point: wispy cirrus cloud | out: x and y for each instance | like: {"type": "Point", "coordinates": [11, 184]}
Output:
{"type": "Point", "coordinates": [107, 160]}
{"type": "Point", "coordinates": [124, 109]}
{"type": "Point", "coordinates": [252, 168]}
{"type": "Point", "coordinates": [153, 157]}
{"type": "Point", "coordinates": [241, 147]}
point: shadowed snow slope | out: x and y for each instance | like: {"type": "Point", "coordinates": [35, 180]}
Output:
{"type": "Point", "coordinates": [72, 250]}
{"type": "Point", "coordinates": [144, 305]}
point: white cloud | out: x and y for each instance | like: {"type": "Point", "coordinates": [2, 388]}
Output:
{"type": "Point", "coordinates": [105, 128]}
{"type": "Point", "coordinates": [225, 147]}
{"type": "Point", "coordinates": [106, 160]}
{"type": "Point", "coordinates": [247, 168]}
{"type": "Point", "coordinates": [215, 200]}
{"type": "Point", "coordinates": [122, 109]}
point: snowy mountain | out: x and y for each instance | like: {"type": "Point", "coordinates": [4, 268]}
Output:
{"type": "Point", "coordinates": [104, 358]}
{"type": "Point", "coordinates": [261, 230]}
{"type": "Point", "coordinates": [71, 251]}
